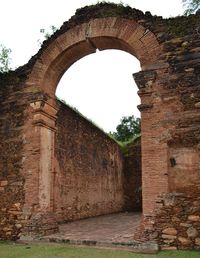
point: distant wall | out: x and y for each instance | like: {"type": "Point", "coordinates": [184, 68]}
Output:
{"type": "Point", "coordinates": [133, 177]}
{"type": "Point", "coordinates": [89, 175]}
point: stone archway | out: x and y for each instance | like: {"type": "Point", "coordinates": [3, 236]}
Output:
{"type": "Point", "coordinates": [169, 90]}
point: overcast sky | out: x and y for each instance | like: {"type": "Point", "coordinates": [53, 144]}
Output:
{"type": "Point", "coordinates": [99, 85]}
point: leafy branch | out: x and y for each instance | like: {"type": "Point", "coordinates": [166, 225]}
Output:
{"type": "Point", "coordinates": [4, 59]}
{"type": "Point", "coordinates": [191, 6]}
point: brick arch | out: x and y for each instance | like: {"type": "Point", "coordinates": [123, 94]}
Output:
{"type": "Point", "coordinates": [72, 42]}
{"type": "Point", "coordinates": [81, 40]}
{"type": "Point", "coordinates": [66, 47]}
{"type": "Point", "coordinates": [169, 86]}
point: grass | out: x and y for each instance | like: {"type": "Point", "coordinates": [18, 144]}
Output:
{"type": "Point", "coordinates": [9, 250]}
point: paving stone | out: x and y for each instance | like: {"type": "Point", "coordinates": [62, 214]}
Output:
{"type": "Point", "coordinates": [114, 227]}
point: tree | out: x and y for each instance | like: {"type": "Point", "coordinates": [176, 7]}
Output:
{"type": "Point", "coordinates": [4, 59]}
{"type": "Point", "coordinates": [191, 6]}
{"type": "Point", "coordinates": [128, 128]}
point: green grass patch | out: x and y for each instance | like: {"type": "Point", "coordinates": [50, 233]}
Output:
{"type": "Point", "coordinates": [9, 250]}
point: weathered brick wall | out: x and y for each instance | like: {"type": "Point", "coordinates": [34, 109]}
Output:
{"type": "Point", "coordinates": [183, 168]}
{"type": "Point", "coordinates": [177, 220]}
{"type": "Point", "coordinates": [11, 179]}
{"type": "Point", "coordinates": [133, 177]}
{"type": "Point", "coordinates": [89, 176]}
{"type": "Point", "coordinates": [174, 222]}
{"type": "Point", "coordinates": [18, 154]}
{"type": "Point", "coordinates": [184, 58]}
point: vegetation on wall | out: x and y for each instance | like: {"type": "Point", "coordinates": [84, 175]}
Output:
{"type": "Point", "coordinates": [46, 34]}
{"type": "Point", "coordinates": [4, 59]}
{"type": "Point", "coordinates": [127, 132]}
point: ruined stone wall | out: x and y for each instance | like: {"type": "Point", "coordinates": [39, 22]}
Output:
{"type": "Point", "coordinates": [11, 179]}
{"type": "Point", "coordinates": [133, 177]}
{"type": "Point", "coordinates": [175, 222]}
{"type": "Point", "coordinates": [15, 98]}
{"type": "Point", "coordinates": [178, 219]}
{"type": "Point", "coordinates": [184, 154]}
{"type": "Point", "coordinates": [89, 176]}
{"type": "Point", "coordinates": [19, 154]}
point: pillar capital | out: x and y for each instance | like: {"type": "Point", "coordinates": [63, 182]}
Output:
{"type": "Point", "coordinates": [44, 114]}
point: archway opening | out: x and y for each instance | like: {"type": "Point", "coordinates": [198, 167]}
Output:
{"type": "Point", "coordinates": [91, 175]}
{"type": "Point", "coordinates": [103, 81]}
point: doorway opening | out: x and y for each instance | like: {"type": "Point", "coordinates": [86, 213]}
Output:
{"type": "Point", "coordinates": [94, 176]}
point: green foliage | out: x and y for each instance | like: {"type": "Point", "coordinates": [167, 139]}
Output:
{"type": "Point", "coordinates": [46, 33]}
{"type": "Point", "coordinates": [4, 59]}
{"type": "Point", "coordinates": [125, 145]}
{"type": "Point", "coordinates": [191, 6]}
{"type": "Point", "coordinates": [128, 128]}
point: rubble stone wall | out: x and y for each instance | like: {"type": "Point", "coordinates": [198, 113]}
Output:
{"type": "Point", "coordinates": [176, 222]}
{"type": "Point", "coordinates": [14, 122]}
{"type": "Point", "coordinates": [11, 179]}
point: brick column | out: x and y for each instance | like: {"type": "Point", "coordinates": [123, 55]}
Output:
{"type": "Point", "coordinates": [154, 151]}
{"type": "Point", "coordinates": [41, 217]}
{"type": "Point", "coordinates": [44, 118]}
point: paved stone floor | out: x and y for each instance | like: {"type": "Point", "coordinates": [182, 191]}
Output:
{"type": "Point", "coordinates": [107, 228]}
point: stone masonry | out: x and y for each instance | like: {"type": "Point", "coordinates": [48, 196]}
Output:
{"type": "Point", "coordinates": [169, 88]}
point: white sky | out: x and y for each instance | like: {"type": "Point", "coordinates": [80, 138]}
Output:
{"type": "Point", "coordinates": [99, 85]}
